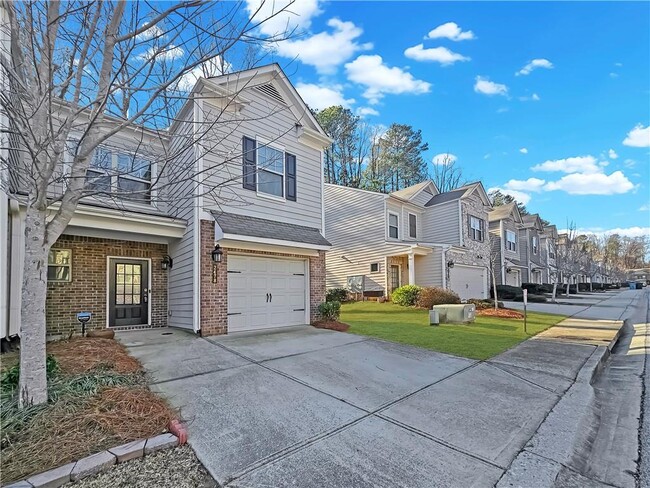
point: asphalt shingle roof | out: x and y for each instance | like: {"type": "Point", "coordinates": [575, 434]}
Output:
{"type": "Point", "coordinates": [268, 229]}
{"type": "Point", "coordinates": [446, 197]}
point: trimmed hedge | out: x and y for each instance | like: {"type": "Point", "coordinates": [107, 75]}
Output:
{"type": "Point", "coordinates": [532, 298]}
{"type": "Point", "coordinates": [406, 295]}
{"type": "Point", "coordinates": [428, 297]}
{"type": "Point", "coordinates": [483, 304]}
{"type": "Point", "coordinates": [507, 292]}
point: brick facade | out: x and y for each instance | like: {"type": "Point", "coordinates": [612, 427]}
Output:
{"type": "Point", "coordinates": [214, 296]}
{"type": "Point", "coordinates": [87, 290]}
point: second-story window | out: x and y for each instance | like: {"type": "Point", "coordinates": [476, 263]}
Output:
{"type": "Point", "coordinates": [270, 171]}
{"type": "Point", "coordinates": [535, 245]}
{"type": "Point", "coordinates": [393, 226]}
{"type": "Point", "coordinates": [413, 226]}
{"type": "Point", "coordinates": [511, 241]}
{"type": "Point", "coordinates": [551, 250]}
{"type": "Point", "coordinates": [476, 227]}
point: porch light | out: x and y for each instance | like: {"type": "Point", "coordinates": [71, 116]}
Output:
{"type": "Point", "coordinates": [167, 262]}
{"type": "Point", "coordinates": [217, 254]}
{"type": "Point", "coordinates": [450, 264]}
{"type": "Point", "coordinates": [508, 270]}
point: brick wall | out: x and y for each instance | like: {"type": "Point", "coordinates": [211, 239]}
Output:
{"type": "Point", "coordinates": [214, 296]}
{"type": "Point", "coordinates": [87, 290]}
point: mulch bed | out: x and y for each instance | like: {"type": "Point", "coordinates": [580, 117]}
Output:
{"type": "Point", "coordinates": [504, 313]}
{"type": "Point", "coordinates": [331, 325]}
{"type": "Point", "coordinates": [98, 399]}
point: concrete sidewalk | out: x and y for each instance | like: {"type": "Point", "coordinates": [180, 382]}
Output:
{"type": "Point", "coordinates": [315, 408]}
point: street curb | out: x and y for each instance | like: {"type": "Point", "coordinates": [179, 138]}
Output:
{"type": "Point", "coordinates": [551, 448]}
{"type": "Point", "coordinates": [97, 463]}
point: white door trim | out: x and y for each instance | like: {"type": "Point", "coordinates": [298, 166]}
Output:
{"type": "Point", "coordinates": [108, 288]}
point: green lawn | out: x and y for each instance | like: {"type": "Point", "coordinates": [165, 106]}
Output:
{"type": "Point", "coordinates": [485, 338]}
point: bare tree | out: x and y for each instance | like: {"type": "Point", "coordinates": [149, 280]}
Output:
{"type": "Point", "coordinates": [447, 175]}
{"type": "Point", "coordinates": [77, 74]}
{"type": "Point", "coordinates": [569, 255]}
{"type": "Point", "coordinates": [494, 263]}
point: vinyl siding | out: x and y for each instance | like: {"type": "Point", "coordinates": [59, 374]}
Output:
{"type": "Point", "coordinates": [355, 224]}
{"type": "Point", "coordinates": [428, 269]}
{"type": "Point", "coordinates": [442, 224]}
{"type": "Point", "coordinates": [516, 256]}
{"type": "Point", "coordinates": [422, 198]}
{"type": "Point", "coordinates": [524, 250]}
{"type": "Point", "coordinates": [274, 123]}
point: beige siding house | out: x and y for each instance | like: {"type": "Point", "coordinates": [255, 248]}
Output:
{"type": "Point", "coordinates": [412, 236]}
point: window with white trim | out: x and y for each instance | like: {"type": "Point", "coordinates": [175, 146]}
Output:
{"type": "Point", "coordinates": [413, 226]}
{"type": "Point", "coordinates": [476, 227]}
{"type": "Point", "coordinates": [551, 249]}
{"type": "Point", "coordinates": [117, 172]}
{"type": "Point", "coordinates": [535, 244]}
{"type": "Point", "coordinates": [59, 265]}
{"type": "Point", "coordinates": [511, 241]}
{"type": "Point", "coordinates": [270, 171]}
{"type": "Point", "coordinates": [393, 226]}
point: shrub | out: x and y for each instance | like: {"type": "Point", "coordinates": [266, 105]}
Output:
{"type": "Point", "coordinates": [483, 304]}
{"type": "Point", "coordinates": [336, 295]}
{"type": "Point", "coordinates": [9, 379]}
{"type": "Point", "coordinates": [406, 295]}
{"type": "Point", "coordinates": [429, 297]}
{"type": "Point", "coordinates": [507, 292]}
{"type": "Point", "coordinates": [329, 310]}
{"type": "Point", "coordinates": [532, 298]}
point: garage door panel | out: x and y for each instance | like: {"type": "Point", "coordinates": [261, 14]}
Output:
{"type": "Point", "coordinates": [237, 263]}
{"type": "Point", "coordinates": [468, 282]}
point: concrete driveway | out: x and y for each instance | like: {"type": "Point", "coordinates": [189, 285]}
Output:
{"type": "Point", "coordinates": [314, 408]}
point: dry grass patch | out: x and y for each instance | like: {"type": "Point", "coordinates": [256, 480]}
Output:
{"type": "Point", "coordinates": [98, 398]}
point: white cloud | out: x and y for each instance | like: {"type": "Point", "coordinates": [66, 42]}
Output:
{"type": "Point", "coordinates": [150, 33]}
{"type": "Point", "coordinates": [638, 137]}
{"type": "Point", "coordinates": [533, 98]}
{"type": "Point", "coordinates": [534, 64]}
{"type": "Point", "coordinates": [319, 97]}
{"type": "Point", "coordinates": [502, 110]}
{"type": "Point", "coordinates": [523, 150]}
{"type": "Point", "coordinates": [280, 17]}
{"type": "Point", "coordinates": [451, 31]}
{"type": "Point", "coordinates": [531, 184]}
{"type": "Point", "coordinates": [579, 164]}
{"type": "Point", "coordinates": [613, 75]}
{"type": "Point", "coordinates": [380, 79]}
{"type": "Point", "coordinates": [365, 111]}
{"type": "Point", "coordinates": [326, 50]}
{"type": "Point", "coordinates": [487, 87]}
{"type": "Point", "coordinates": [623, 231]}
{"type": "Point", "coordinates": [167, 52]}
{"type": "Point", "coordinates": [520, 196]}
{"type": "Point", "coordinates": [644, 208]}
{"type": "Point", "coordinates": [612, 154]}
{"type": "Point", "coordinates": [440, 55]}
{"type": "Point", "coordinates": [444, 158]}
{"type": "Point", "coordinates": [592, 184]}
{"type": "Point", "coordinates": [212, 67]}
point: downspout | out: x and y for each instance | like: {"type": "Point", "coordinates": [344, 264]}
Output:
{"type": "Point", "coordinates": [502, 253]}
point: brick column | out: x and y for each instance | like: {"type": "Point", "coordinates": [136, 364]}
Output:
{"type": "Point", "coordinates": [214, 296]}
{"type": "Point", "coordinates": [316, 284]}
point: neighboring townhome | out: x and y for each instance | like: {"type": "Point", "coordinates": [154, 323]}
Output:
{"type": "Point", "coordinates": [241, 247]}
{"type": "Point", "coordinates": [505, 224]}
{"type": "Point", "coordinates": [412, 236]}
{"type": "Point", "coordinates": [530, 235]}
{"type": "Point", "coordinates": [549, 250]}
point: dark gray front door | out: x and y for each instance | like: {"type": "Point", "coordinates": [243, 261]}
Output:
{"type": "Point", "coordinates": [128, 292]}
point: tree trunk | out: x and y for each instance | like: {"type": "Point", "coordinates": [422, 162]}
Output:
{"type": "Point", "coordinates": [494, 288]}
{"type": "Point", "coordinates": [554, 290]}
{"type": "Point", "coordinates": [33, 379]}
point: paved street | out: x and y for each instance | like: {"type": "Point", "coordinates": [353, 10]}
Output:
{"type": "Point", "coordinates": [308, 407]}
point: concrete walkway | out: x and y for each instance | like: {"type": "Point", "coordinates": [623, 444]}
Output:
{"type": "Point", "coordinates": [307, 407]}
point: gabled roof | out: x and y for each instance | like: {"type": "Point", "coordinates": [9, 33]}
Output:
{"type": "Point", "coordinates": [410, 192]}
{"type": "Point", "coordinates": [533, 220]}
{"type": "Point", "coordinates": [462, 192]}
{"type": "Point", "coordinates": [551, 231]}
{"type": "Point", "coordinates": [505, 211]}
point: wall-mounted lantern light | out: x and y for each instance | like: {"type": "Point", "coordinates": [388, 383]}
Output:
{"type": "Point", "coordinates": [217, 254]}
{"type": "Point", "coordinates": [508, 270]}
{"type": "Point", "coordinates": [450, 264]}
{"type": "Point", "coordinates": [167, 262]}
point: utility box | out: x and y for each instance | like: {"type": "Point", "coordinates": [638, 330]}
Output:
{"type": "Point", "coordinates": [455, 314]}
{"type": "Point", "coordinates": [434, 317]}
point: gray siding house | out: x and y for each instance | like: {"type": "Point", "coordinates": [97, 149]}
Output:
{"type": "Point", "coordinates": [508, 250]}
{"type": "Point", "coordinates": [413, 236]}
{"type": "Point", "coordinates": [530, 234]}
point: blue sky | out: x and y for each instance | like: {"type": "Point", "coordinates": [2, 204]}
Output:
{"type": "Point", "coordinates": [548, 101]}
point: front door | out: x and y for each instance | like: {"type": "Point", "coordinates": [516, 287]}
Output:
{"type": "Point", "coordinates": [394, 277]}
{"type": "Point", "coordinates": [128, 293]}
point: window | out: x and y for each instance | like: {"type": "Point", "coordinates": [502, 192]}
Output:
{"type": "Point", "coordinates": [535, 245]}
{"type": "Point", "coordinates": [476, 228]}
{"type": "Point", "coordinates": [413, 226]}
{"type": "Point", "coordinates": [59, 265]}
{"type": "Point", "coordinates": [393, 226]}
{"type": "Point", "coordinates": [374, 267]}
{"type": "Point", "coordinates": [551, 250]}
{"type": "Point", "coordinates": [270, 170]}
{"type": "Point", "coordinates": [128, 175]}
{"type": "Point", "coordinates": [511, 241]}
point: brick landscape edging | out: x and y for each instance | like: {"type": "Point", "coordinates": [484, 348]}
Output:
{"type": "Point", "coordinates": [102, 461]}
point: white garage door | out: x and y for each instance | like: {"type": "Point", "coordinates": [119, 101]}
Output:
{"type": "Point", "coordinates": [512, 278]}
{"type": "Point", "coordinates": [468, 281]}
{"type": "Point", "coordinates": [265, 292]}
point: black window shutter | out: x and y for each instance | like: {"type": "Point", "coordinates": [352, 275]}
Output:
{"type": "Point", "coordinates": [249, 165]}
{"type": "Point", "coordinates": [290, 164]}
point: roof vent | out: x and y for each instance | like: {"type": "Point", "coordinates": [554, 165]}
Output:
{"type": "Point", "coordinates": [272, 92]}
